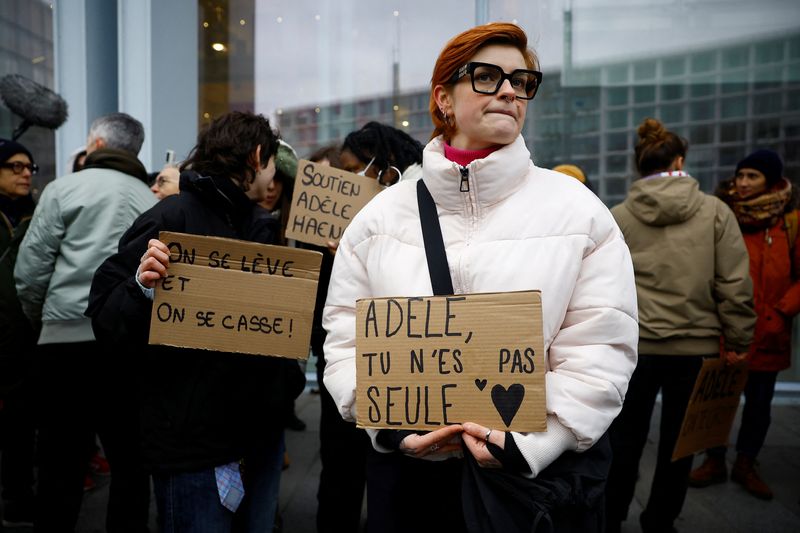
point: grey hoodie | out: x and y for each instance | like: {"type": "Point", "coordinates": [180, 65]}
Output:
{"type": "Point", "coordinates": [691, 266]}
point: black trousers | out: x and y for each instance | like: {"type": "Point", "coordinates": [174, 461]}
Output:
{"type": "Point", "coordinates": [406, 494]}
{"type": "Point", "coordinates": [17, 440]}
{"type": "Point", "coordinates": [675, 376]}
{"type": "Point", "coordinates": [85, 389]}
{"type": "Point", "coordinates": [756, 414]}
{"type": "Point", "coordinates": [343, 453]}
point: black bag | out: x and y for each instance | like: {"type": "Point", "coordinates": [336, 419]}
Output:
{"type": "Point", "coordinates": [567, 496]}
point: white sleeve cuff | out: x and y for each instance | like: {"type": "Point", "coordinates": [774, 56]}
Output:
{"type": "Point", "coordinates": [149, 293]}
{"type": "Point", "coordinates": [541, 449]}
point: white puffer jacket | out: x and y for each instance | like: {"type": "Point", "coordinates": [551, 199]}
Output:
{"type": "Point", "coordinates": [519, 227]}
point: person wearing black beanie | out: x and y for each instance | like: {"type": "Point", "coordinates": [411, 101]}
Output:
{"type": "Point", "coordinates": [765, 206]}
{"type": "Point", "coordinates": [17, 339]}
{"type": "Point", "coordinates": [765, 161]}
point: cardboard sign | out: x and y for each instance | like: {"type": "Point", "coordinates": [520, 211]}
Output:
{"type": "Point", "coordinates": [325, 200]}
{"type": "Point", "coordinates": [712, 408]}
{"type": "Point", "coordinates": [424, 363]}
{"type": "Point", "coordinates": [235, 296]}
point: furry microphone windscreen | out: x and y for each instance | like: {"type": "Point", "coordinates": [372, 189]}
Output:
{"type": "Point", "coordinates": [35, 104]}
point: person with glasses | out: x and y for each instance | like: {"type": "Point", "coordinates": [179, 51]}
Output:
{"type": "Point", "coordinates": [507, 225]}
{"type": "Point", "coordinates": [167, 182]}
{"type": "Point", "coordinates": [77, 224]}
{"type": "Point", "coordinates": [17, 340]}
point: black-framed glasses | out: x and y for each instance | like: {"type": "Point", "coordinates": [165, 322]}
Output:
{"type": "Point", "coordinates": [487, 79]}
{"type": "Point", "coordinates": [18, 167]}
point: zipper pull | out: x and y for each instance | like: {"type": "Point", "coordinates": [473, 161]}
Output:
{"type": "Point", "coordinates": [464, 187]}
{"type": "Point", "coordinates": [768, 238]}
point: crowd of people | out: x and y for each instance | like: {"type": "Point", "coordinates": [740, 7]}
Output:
{"type": "Point", "coordinates": [643, 294]}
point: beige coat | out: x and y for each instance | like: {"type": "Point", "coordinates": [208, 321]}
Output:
{"type": "Point", "coordinates": [692, 269]}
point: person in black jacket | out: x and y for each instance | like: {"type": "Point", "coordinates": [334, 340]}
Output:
{"type": "Point", "coordinates": [17, 340]}
{"type": "Point", "coordinates": [203, 413]}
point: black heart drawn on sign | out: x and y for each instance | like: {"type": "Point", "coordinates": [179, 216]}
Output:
{"type": "Point", "coordinates": [507, 402]}
{"type": "Point", "coordinates": [480, 383]}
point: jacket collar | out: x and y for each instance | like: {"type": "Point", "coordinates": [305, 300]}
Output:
{"type": "Point", "coordinates": [221, 195]}
{"type": "Point", "coordinates": [491, 179]}
{"type": "Point", "coordinates": [118, 160]}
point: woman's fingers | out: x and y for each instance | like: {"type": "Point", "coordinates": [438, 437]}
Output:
{"type": "Point", "coordinates": [435, 442]}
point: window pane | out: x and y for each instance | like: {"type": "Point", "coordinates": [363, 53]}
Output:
{"type": "Point", "coordinates": [644, 94]}
{"type": "Point", "coordinates": [733, 82]}
{"type": "Point", "coordinates": [733, 107]}
{"type": "Point", "coordinates": [768, 129]}
{"type": "Point", "coordinates": [766, 103]}
{"type": "Point", "coordinates": [671, 92]}
{"type": "Point", "coordinates": [672, 114]}
{"type": "Point", "coordinates": [735, 57]}
{"type": "Point", "coordinates": [586, 145]}
{"type": "Point", "coordinates": [618, 74]}
{"type": "Point", "coordinates": [701, 134]}
{"type": "Point", "coordinates": [644, 71]}
{"type": "Point", "coordinates": [702, 62]}
{"type": "Point", "coordinates": [641, 113]}
{"type": "Point", "coordinates": [701, 110]}
{"type": "Point", "coordinates": [673, 67]}
{"type": "Point", "coordinates": [769, 52]}
{"type": "Point", "coordinates": [617, 96]}
{"type": "Point", "coordinates": [701, 88]}
{"type": "Point", "coordinates": [616, 186]}
{"type": "Point", "coordinates": [617, 142]}
{"type": "Point", "coordinates": [617, 119]}
{"type": "Point", "coordinates": [733, 132]}
{"type": "Point", "coordinates": [617, 164]}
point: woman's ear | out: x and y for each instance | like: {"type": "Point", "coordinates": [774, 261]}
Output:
{"type": "Point", "coordinates": [443, 100]}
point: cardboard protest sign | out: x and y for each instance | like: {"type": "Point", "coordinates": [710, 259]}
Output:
{"type": "Point", "coordinates": [712, 407]}
{"type": "Point", "coordinates": [235, 296]}
{"type": "Point", "coordinates": [325, 200]}
{"type": "Point", "coordinates": [427, 362]}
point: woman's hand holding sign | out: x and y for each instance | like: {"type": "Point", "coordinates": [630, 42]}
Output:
{"type": "Point", "coordinates": [440, 441]}
{"type": "Point", "coordinates": [476, 437]}
{"type": "Point", "coordinates": [154, 263]}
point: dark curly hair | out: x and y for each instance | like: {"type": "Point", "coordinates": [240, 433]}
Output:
{"type": "Point", "coordinates": [225, 147]}
{"type": "Point", "coordinates": [388, 145]}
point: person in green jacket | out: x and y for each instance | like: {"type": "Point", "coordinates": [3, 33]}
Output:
{"type": "Point", "coordinates": [693, 286]}
{"type": "Point", "coordinates": [17, 339]}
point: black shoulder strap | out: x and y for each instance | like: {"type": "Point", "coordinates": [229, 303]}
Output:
{"type": "Point", "coordinates": [434, 243]}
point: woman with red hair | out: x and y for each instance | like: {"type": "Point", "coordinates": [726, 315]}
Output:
{"type": "Point", "coordinates": [506, 225]}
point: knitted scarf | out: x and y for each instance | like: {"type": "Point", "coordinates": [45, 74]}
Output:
{"type": "Point", "coordinates": [758, 212]}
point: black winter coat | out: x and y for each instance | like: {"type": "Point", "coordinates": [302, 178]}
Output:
{"type": "Point", "coordinates": [198, 408]}
{"type": "Point", "coordinates": [17, 336]}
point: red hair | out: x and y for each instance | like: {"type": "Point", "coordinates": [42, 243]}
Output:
{"type": "Point", "coordinates": [460, 49]}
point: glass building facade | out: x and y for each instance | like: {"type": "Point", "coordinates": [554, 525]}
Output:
{"type": "Point", "coordinates": [726, 100]}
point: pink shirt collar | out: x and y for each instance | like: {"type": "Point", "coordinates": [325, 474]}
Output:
{"type": "Point", "coordinates": [465, 157]}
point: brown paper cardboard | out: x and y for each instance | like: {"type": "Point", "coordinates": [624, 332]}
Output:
{"type": "Point", "coordinates": [712, 407]}
{"type": "Point", "coordinates": [427, 362]}
{"type": "Point", "coordinates": [325, 200]}
{"type": "Point", "coordinates": [235, 296]}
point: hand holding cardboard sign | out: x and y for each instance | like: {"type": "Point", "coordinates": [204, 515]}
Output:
{"type": "Point", "coordinates": [154, 263]}
{"type": "Point", "coordinates": [436, 442]}
{"type": "Point", "coordinates": [475, 437]}
{"type": "Point", "coordinates": [733, 358]}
